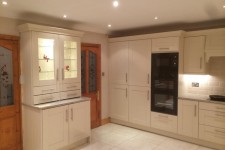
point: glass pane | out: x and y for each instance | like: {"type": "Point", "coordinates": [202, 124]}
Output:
{"type": "Point", "coordinates": [83, 71]}
{"type": "Point", "coordinates": [6, 77]}
{"type": "Point", "coordinates": [70, 59]}
{"type": "Point", "coordinates": [92, 72]}
{"type": "Point", "coordinates": [46, 59]}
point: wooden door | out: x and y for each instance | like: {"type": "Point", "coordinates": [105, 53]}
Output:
{"type": "Point", "coordinates": [91, 79]}
{"type": "Point", "coordinates": [10, 116]}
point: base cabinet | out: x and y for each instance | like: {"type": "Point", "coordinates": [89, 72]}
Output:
{"type": "Point", "coordinates": [139, 105]}
{"type": "Point", "coordinates": [188, 118]}
{"type": "Point", "coordinates": [55, 128]}
{"type": "Point", "coordinates": [164, 122]}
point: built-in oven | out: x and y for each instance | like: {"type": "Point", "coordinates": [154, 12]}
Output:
{"type": "Point", "coordinates": [164, 83]}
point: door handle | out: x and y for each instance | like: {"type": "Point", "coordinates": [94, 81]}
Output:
{"type": "Point", "coordinates": [98, 96]}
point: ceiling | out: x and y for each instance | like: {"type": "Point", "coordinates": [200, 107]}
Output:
{"type": "Point", "coordinates": [95, 15]}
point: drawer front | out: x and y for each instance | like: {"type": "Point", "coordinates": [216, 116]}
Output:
{"type": "Point", "coordinates": [212, 118]}
{"type": "Point", "coordinates": [46, 98]}
{"type": "Point", "coordinates": [212, 134]}
{"type": "Point", "coordinates": [70, 94]}
{"type": "Point", "coordinates": [212, 107]}
{"type": "Point", "coordinates": [165, 44]}
{"type": "Point", "coordinates": [71, 87]}
{"type": "Point", "coordinates": [164, 122]}
{"type": "Point", "coordinates": [45, 90]}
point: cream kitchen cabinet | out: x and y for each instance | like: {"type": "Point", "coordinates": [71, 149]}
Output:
{"type": "Point", "coordinates": [57, 127]}
{"type": "Point", "coordinates": [188, 118]}
{"type": "Point", "coordinates": [50, 63]}
{"type": "Point", "coordinates": [166, 44]}
{"type": "Point", "coordinates": [139, 105]}
{"type": "Point", "coordinates": [139, 62]}
{"type": "Point", "coordinates": [119, 102]}
{"type": "Point", "coordinates": [212, 122]}
{"type": "Point", "coordinates": [194, 55]}
{"type": "Point", "coordinates": [118, 63]}
{"type": "Point", "coordinates": [164, 122]}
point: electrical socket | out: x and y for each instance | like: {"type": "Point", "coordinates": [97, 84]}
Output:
{"type": "Point", "coordinates": [195, 84]}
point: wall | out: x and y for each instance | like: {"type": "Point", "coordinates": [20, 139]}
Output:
{"type": "Point", "coordinates": [211, 84]}
{"type": "Point", "coordinates": [8, 26]}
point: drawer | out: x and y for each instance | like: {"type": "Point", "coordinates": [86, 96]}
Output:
{"type": "Point", "coordinates": [164, 122]}
{"type": "Point", "coordinates": [212, 118]}
{"type": "Point", "coordinates": [212, 134]}
{"type": "Point", "coordinates": [45, 90]}
{"type": "Point", "coordinates": [165, 44]}
{"type": "Point", "coordinates": [212, 107]}
{"type": "Point", "coordinates": [71, 87]}
{"type": "Point", "coordinates": [70, 94]}
{"type": "Point", "coordinates": [46, 98]}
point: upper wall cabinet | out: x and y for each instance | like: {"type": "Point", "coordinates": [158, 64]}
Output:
{"type": "Point", "coordinates": [139, 62]}
{"type": "Point", "coordinates": [119, 62]}
{"type": "Point", "coordinates": [194, 50]}
{"type": "Point", "coordinates": [50, 63]}
{"type": "Point", "coordinates": [165, 44]}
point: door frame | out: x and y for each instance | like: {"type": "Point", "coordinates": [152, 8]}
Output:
{"type": "Point", "coordinates": [99, 82]}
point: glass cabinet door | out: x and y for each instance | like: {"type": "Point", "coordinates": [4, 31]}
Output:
{"type": "Point", "coordinates": [46, 71]}
{"type": "Point", "coordinates": [71, 59]}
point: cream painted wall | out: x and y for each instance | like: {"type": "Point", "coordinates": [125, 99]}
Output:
{"type": "Point", "coordinates": [8, 27]}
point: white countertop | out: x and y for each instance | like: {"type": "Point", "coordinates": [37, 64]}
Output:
{"type": "Point", "coordinates": [59, 103]}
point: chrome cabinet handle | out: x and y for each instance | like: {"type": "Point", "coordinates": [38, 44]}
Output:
{"type": "Point", "coordinates": [71, 114]}
{"type": "Point", "coordinates": [126, 92]}
{"type": "Point", "coordinates": [195, 111]}
{"type": "Point", "coordinates": [67, 115]}
{"type": "Point", "coordinates": [200, 62]}
{"type": "Point", "coordinates": [62, 73]}
{"type": "Point", "coordinates": [148, 79]}
{"type": "Point", "coordinates": [148, 95]}
{"type": "Point", "coordinates": [164, 48]}
{"type": "Point", "coordinates": [126, 77]}
{"type": "Point", "coordinates": [57, 74]}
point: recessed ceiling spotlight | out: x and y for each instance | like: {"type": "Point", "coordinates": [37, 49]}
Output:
{"type": "Point", "coordinates": [64, 16]}
{"type": "Point", "coordinates": [115, 3]}
{"type": "Point", "coordinates": [4, 2]}
{"type": "Point", "coordinates": [156, 18]}
{"type": "Point", "coordinates": [109, 25]}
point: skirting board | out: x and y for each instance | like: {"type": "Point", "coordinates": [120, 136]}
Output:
{"type": "Point", "coordinates": [171, 135]}
{"type": "Point", "coordinates": [105, 121]}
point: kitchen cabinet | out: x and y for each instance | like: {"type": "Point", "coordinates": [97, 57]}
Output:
{"type": "Point", "coordinates": [139, 105]}
{"type": "Point", "coordinates": [188, 118]}
{"type": "Point", "coordinates": [50, 63]}
{"type": "Point", "coordinates": [139, 62]}
{"type": "Point", "coordinates": [164, 122]}
{"type": "Point", "coordinates": [118, 62]}
{"type": "Point", "coordinates": [194, 55]}
{"type": "Point", "coordinates": [166, 44]}
{"type": "Point", "coordinates": [119, 102]}
{"type": "Point", "coordinates": [57, 127]}
{"type": "Point", "coordinates": [212, 122]}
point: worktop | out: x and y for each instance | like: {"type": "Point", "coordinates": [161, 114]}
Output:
{"type": "Point", "coordinates": [58, 103]}
{"type": "Point", "coordinates": [201, 100]}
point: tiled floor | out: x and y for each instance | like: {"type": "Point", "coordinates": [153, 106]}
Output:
{"type": "Point", "coordinates": [117, 137]}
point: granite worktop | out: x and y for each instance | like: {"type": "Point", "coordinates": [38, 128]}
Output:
{"type": "Point", "coordinates": [207, 100]}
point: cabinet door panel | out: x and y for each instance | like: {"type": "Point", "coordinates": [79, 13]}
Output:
{"type": "Point", "coordinates": [119, 62]}
{"type": "Point", "coordinates": [166, 44]}
{"type": "Point", "coordinates": [119, 102]}
{"type": "Point", "coordinates": [55, 127]}
{"type": "Point", "coordinates": [79, 126]}
{"type": "Point", "coordinates": [194, 61]}
{"type": "Point", "coordinates": [69, 59]}
{"type": "Point", "coordinates": [188, 118]}
{"type": "Point", "coordinates": [139, 62]}
{"type": "Point", "coordinates": [139, 105]}
{"type": "Point", "coordinates": [45, 59]}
